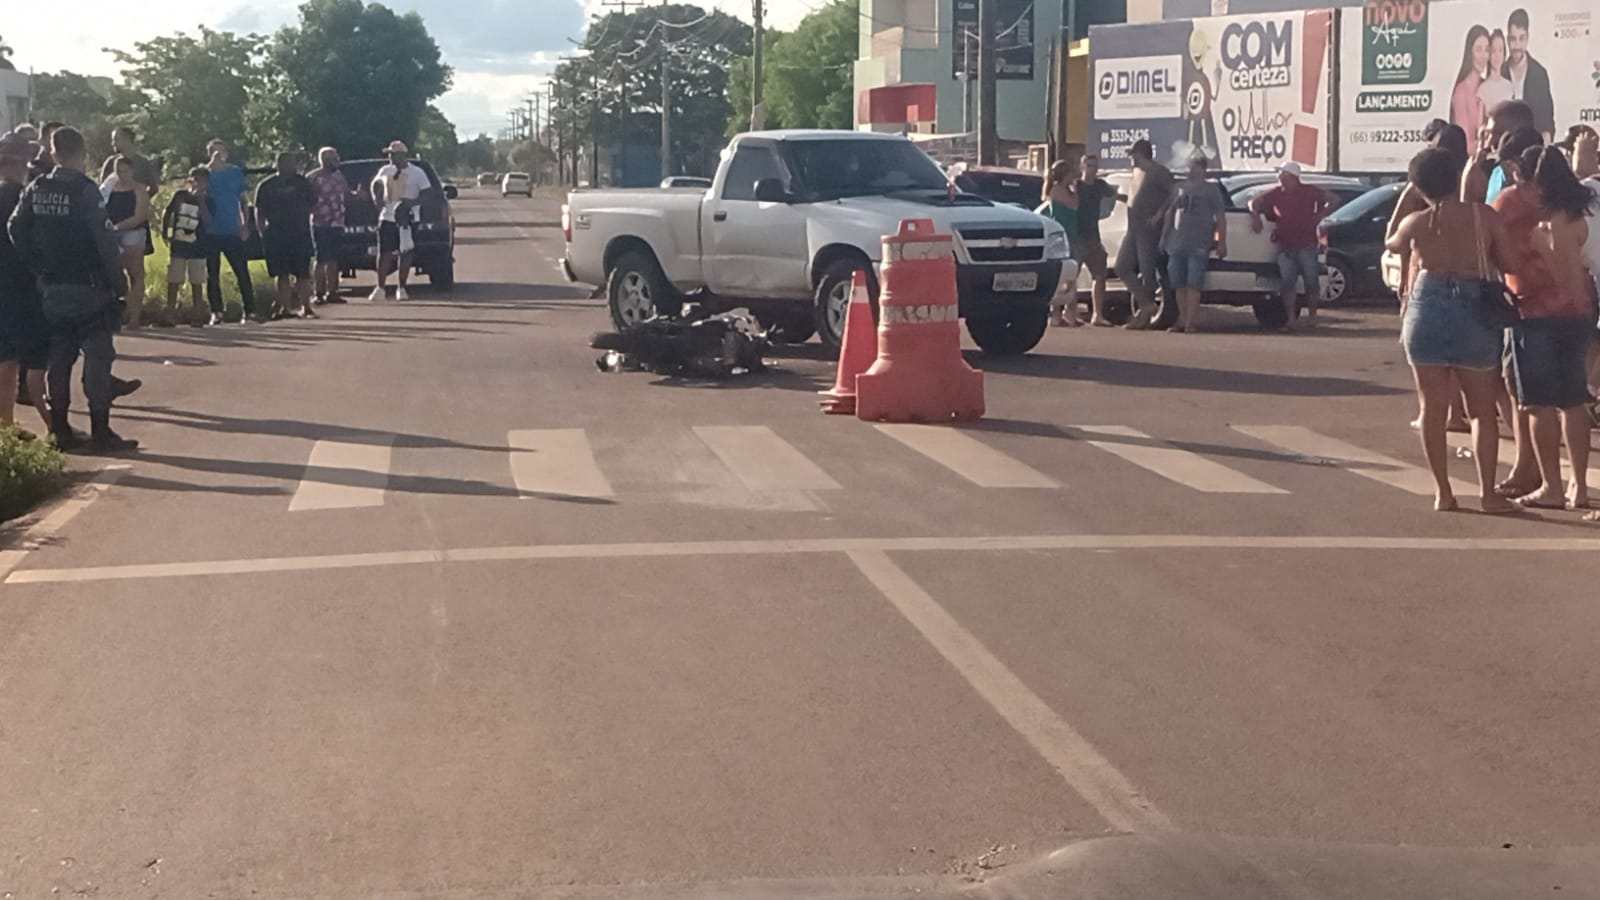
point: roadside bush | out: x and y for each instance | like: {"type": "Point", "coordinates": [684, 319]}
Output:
{"type": "Point", "coordinates": [30, 471]}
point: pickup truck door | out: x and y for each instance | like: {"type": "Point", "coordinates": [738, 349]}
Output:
{"type": "Point", "coordinates": [753, 249]}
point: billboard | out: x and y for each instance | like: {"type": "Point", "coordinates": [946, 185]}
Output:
{"type": "Point", "coordinates": [1247, 92]}
{"type": "Point", "coordinates": [1013, 49]}
{"type": "Point", "coordinates": [1404, 62]}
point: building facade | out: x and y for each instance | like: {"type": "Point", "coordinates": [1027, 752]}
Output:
{"type": "Point", "coordinates": [917, 66]}
{"type": "Point", "coordinates": [15, 98]}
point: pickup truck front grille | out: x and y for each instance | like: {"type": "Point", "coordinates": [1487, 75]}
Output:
{"type": "Point", "coordinates": [1002, 245]}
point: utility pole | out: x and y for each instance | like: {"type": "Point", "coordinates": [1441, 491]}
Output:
{"type": "Point", "coordinates": [966, 80]}
{"type": "Point", "coordinates": [758, 115]}
{"type": "Point", "coordinates": [666, 97]}
{"type": "Point", "coordinates": [594, 129]}
{"type": "Point", "coordinates": [988, 130]}
{"type": "Point", "coordinates": [555, 130]}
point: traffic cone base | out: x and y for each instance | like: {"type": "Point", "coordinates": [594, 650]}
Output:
{"type": "Point", "coordinates": [919, 375]}
{"type": "Point", "coordinates": [855, 351]}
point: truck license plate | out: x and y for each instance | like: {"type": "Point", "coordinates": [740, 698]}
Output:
{"type": "Point", "coordinates": [1016, 281]}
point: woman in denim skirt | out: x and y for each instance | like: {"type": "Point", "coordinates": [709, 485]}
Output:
{"type": "Point", "coordinates": [1445, 330]}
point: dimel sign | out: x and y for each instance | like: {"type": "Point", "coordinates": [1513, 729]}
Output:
{"type": "Point", "coordinates": [1147, 81]}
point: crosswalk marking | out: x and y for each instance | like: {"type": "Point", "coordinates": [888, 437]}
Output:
{"type": "Point", "coordinates": [1174, 463]}
{"type": "Point", "coordinates": [555, 461]}
{"type": "Point", "coordinates": [762, 460]}
{"type": "Point", "coordinates": [342, 475]}
{"type": "Point", "coordinates": [1382, 469]}
{"type": "Point", "coordinates": [968, 457]}
{"type": "Point", "coordinates": [752, 466]}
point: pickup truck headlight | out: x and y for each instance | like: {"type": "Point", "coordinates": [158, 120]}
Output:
{"type": "Point", "coordinates": [1055, 245]}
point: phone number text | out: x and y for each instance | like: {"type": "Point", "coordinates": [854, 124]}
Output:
{"type": "Point", "coordinates": [1387, 136]}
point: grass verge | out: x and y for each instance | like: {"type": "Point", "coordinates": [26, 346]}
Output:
{"type": "Point", "coordinates": [31, 471]}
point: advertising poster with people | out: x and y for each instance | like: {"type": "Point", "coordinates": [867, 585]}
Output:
{"type": "Point", "coordinates": [1247, 92]}
{"type": "Point", "coordinates": [1406, 62]}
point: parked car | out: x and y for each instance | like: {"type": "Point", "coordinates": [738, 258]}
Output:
{"type": "Point", "coordinates": [1353, 236]}
{"type": "Point", "coordinates": [1249, 275]}
{"type": "Point", "coordinates": [434, 234]}
{"type": "Point", "coordinates": [686, 181]}
{"type": "Point", "coordinates": [488, 179]}
{"type": "Point", "coordinates": [1015, 187]}
{"type": "Point", "coordinates": [790, 218]}
{"type": "Point", "coordinates": [1391, 271]}
{"type": "Point", "coordinates": [516, 183]}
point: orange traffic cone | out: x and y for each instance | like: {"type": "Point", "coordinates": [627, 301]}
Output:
{"type": "Point", "coordinates": [855, 351]}
{"type": "Point", "coordinates": [919, 375]}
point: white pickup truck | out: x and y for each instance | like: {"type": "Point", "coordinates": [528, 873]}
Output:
{"type": "Point", "coordinates": [790, 216]}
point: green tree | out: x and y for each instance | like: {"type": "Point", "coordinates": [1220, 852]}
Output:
{"type": "Point", "coordinates": [356, 76]}
{"type": "Point", "coordinates": [83, 102]}
{"type": "Point", "coordinates": [616, 85]}
{"type": "Point", "coordinates": [740, 94]}
{"type": "Point", "coordinates": [181, 90]}
{"type": "Point", "coordinates": [478, 154]}
{"type": "Point", "coordinates": [809, 77]}
{"type": "Point", "coordinates": [5, 57]}
{"type": "Point", "coordinates": [532, 157]}
{"type": "Point", "coordinates": [436, 139]}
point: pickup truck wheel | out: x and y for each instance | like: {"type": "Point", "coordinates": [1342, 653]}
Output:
{"type": "Point", "coordinates": [833, 299]}
{"type": "Point", "coordinates": [1166, 315]}
{"type": "Point", "coordinates": [797, 328]}
{"type": "Point", "coordinates": [636, 290]}
{"type": "Point", "coordinates": [1011, 335]}
{"type": "Point", "coordinates": [442, 275]}
{"type": "Point", "coordinates": [1269, 312]}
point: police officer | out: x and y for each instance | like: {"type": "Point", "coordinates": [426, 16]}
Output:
{"type": "Point", "coordinates": [60, 232]}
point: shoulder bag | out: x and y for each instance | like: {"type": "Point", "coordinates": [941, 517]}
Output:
{"type": "Point", "coordinates": [1497, 303]}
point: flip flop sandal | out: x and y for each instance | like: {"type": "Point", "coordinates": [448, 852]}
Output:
{"type": "Point", "coordinates": [1511, 510]}
{"type": "Point", "coordinates": [1528, 503]}
{"type": "Point", "coordinates": [1512, 491]}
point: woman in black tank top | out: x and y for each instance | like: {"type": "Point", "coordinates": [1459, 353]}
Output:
{"type": "Point", "coordinates": [128, 211]}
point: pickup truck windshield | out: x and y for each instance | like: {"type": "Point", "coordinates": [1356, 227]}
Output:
{"type": "Point", "coordinates": [829, 170]}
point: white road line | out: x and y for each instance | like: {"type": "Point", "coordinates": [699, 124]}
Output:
{"type": "Point", "coordinates": [556, 461]}
{"type": "Point", "coordinates": [1077, 761]}
{"type": "Point", "coordinates": [57, 518]}
{"type": "Point", "coordinates": [1382, 469]}
{"type": "Point", "coordinates": [968, 457]}
{"type": "Point", "coordinates": [1174, 463]}
{"type": "Point", "coordinates": [762, 460]}
{"type": "Point", "coordinates": [342, 475]}
{"type": "Point", "coordinates": [1061, 542]}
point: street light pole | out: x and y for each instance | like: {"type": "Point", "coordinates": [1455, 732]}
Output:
{"type": "Point", "coordinates": [988, 130]}
{"type": "Point", "coordinates": [966, 80]}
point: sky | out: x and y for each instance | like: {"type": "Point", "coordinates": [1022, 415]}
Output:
{"type": "Point", "coordinates": [500, 49]}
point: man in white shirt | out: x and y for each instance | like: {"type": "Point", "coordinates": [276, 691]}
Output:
{"type": "Point", "coordinates": [398, 190]}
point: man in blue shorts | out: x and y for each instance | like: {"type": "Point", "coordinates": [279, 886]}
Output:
{"type": "Point", "coordinates": [1295, 208]}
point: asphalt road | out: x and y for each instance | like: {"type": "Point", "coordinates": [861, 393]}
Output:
{"type": "Point", "coordinates": [411, 601]}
